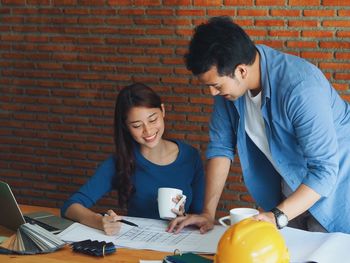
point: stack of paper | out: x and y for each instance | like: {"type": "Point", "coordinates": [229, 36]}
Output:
{"type": "Point", "coordinates": [32, 239]}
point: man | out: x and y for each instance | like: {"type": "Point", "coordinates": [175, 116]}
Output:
{"type": "Point", "coordinates": [290, 126]}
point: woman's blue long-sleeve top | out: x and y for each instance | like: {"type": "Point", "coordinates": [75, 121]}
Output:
{"type": "Point", "coordinates": [185, 173]}
{"type": "Point", "coordinates": [307, 126]}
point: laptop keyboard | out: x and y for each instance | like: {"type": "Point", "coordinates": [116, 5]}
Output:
{"type": "Point", "coordinates": [43, 225]}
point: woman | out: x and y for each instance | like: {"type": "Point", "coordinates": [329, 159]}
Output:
{"type": "Point", "coordinates": [143, 162]}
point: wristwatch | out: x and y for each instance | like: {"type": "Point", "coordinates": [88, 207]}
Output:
{"type": "Point", "coordinates": [280, 217]}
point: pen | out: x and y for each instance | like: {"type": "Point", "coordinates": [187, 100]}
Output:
{"type": "Point", "coordinates": [123, 221]}
{"type": "Point", "coordinates": [127, 222]}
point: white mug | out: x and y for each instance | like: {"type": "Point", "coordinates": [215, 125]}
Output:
{"type": "Point", "coordinates": [238, 214]}
{"type": "Point", "coordinates": [166, 203]}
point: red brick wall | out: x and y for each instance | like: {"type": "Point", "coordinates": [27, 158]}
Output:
{"type": "Point", "coordinates": [62, 63]}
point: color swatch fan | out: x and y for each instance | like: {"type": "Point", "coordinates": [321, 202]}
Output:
{"type": "Point", "coordinates": [31, 239]}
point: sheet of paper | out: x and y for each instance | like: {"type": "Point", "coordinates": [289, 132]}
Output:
{"type": "Point", "coordinates": [150, 235]}
{"type": "Point", "coordinates": [314, 246]}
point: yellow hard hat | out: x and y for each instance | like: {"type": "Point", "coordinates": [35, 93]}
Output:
{"type": "Point", "coordinates": [252, 241]}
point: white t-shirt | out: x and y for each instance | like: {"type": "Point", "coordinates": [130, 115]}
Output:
{"type": "Point", "coordinates": [255, 128]}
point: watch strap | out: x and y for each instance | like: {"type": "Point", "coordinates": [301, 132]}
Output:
{"type": "Point", "coordinates": [277, 213]}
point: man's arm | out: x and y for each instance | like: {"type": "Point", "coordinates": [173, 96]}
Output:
{"type": "Point", "coordinates": [297, 203]}
{"type": "Point", "coordinates": [300, 201]}
{"type": "Point", "coordinates": [216, 174]}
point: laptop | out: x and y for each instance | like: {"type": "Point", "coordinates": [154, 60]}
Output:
{"type": "Point", "coordinates": [11, 216]}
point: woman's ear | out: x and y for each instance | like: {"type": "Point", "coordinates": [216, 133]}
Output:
{"type": "Point", "coordinates": [163, 109]}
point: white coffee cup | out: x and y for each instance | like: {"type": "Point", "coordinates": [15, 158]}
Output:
{"type": "Point", "coordinates": [238, 214]}
{"type": "Point", "coordinates": [166, 203]}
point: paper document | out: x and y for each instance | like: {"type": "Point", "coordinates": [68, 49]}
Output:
{"type": "Point", "coordinates": [314, 246]}
{"type": "Point", "coordinates": [150, 235]}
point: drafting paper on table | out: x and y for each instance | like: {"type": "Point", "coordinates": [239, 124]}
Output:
{"type": "Point", "coordinates": [319, 247]}
{"type": "Point", "coordinates": [150, 235]}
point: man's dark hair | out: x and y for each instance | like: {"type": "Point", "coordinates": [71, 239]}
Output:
{"type": "Point", "coordinates": [221, 43]}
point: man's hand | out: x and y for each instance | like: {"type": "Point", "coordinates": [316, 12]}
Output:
{"type": "Point", "coordinates": [266, 216]}
{"type": "Point", "coordinates": [203, 221]}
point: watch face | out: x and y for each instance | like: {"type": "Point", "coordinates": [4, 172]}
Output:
{"type": "Point", "coordinates": [282, 220]}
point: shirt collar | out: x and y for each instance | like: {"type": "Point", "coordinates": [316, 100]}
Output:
{"type": "Point", "coordinates": [264, 77]}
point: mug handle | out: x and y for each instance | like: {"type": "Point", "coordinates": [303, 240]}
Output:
{"type": "Point", "coordinates": [222, 219]}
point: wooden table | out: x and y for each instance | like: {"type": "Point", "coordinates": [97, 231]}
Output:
{"type": "Point", "coordinates": [66, 255]}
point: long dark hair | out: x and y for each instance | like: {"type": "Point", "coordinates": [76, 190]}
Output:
{"type": "Point", "coordinates": [221, 43]}
{"type": "Point", "coordinates": [135, 95]}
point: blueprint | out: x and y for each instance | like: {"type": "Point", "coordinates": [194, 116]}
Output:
{"type": "Point", "coordinates": [150, 234]}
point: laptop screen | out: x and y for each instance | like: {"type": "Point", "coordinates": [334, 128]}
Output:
{"type": "Point", "coordinates": [10, 214]}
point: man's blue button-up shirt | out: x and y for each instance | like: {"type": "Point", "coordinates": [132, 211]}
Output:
{"type": "Point", "coordinates": [308, 129]}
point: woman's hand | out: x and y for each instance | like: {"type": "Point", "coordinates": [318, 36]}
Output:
{"type": "Point", "coordinates": [181, 210]}
{"type": "Point", "coordinates": [110, 223]}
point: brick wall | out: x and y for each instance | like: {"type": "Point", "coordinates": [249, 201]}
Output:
{"type": "Point", "coordinates": [62, 63]}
